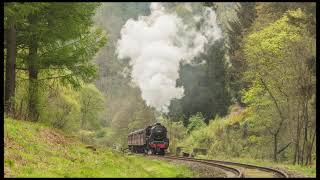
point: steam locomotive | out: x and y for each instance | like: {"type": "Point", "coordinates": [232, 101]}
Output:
{"type": "Point", "coordinates": [151, 140]}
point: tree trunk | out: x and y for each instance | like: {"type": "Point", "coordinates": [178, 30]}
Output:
{"type": "Point", "coordinates": [33, 82]}
{"type": "Point", "coordinates": [306, 121]}
{"type": "Point", "coordinates": [10, 68]}
{"type": "Point", "coordinates": [309, 160]}
{"type": "Point", "coordinates": [296, 149]}
{"type": "Point", "coordinates": [277, 106]}
{"type": "Point", "coordinates": [275, 136]}
{"type": "Point", "coordinates": [297, 140]}
{"type": "Point", "coordinates": [300, 155]}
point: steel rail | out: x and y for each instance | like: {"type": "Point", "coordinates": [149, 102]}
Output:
{"type": "Point", "coordinates": [266, 169]}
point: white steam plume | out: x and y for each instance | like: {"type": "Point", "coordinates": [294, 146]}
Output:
{"type": "Point", "coordinates": [156, 44]}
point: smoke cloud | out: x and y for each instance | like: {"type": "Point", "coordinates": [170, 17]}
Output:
{"type": "Point", "coordinates": [157, 44]}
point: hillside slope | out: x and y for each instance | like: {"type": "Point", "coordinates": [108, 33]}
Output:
{"type": "Point", "coordinates": [33, 150]}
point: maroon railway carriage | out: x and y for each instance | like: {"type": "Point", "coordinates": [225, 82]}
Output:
{"type": "Point", "coordinates": [152, 140]}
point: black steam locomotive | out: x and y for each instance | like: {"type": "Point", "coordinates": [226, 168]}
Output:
{"type": "Point", "coordinates": [152, 140]}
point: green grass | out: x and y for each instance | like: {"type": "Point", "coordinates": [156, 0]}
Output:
{"type": "Point", "coordinates": [34, 150]}
{"type": "Point", "coordinates": [307, 171]}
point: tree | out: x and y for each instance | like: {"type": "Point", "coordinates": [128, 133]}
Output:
{"type": "Point", "coordinates": [10, 63]}
{"type": "Point", "coordinates": [15, 14]}
{"type": "Point", "coordinates": [92, 107]}
{"type": "Point", "coordinates": [58, 37]}
{"type": "Point", "coordinates": [276, 56]}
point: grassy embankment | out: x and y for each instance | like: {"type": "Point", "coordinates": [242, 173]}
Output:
{"type": "Point", "coordinates": [34, 150]}
{"type": "Point", "coordinates": [306, 171]}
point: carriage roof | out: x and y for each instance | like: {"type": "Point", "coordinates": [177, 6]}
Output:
{"type": "Point", "coordinates": [137, 131]}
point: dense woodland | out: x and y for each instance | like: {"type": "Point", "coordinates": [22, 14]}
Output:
{"type": "Point", "coordinates": [255, 95]}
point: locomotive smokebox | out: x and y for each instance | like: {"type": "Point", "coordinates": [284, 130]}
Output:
{"type": "Point", "coordinates": [158, 131]}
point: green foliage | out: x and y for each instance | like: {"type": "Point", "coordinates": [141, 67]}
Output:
{"type": "Point", "coordinates": [271, 58]}
{"type": "Point", "coordinates": [54, 41]}
{"type": "Point", "coordinates": [237, 135]}
{"type": "Point", "coordinates": [176, 132]}
{"type": "Point", "coordinates": [86, 136]}
{"type": "Point", "coordinates": [92, 107]}
{"type": "Point", "coordinates": [273, 40]}
{"type": "Point", "coordinates": [63, 111]}
{"type": "Point", "coordinates": [74, 57]}
{"type": "Point", "coordinates": [276, 55]}
{"type": "Point", "coordinates": [24, 9]}
{"type": "Point", "coordinates": [195, 122]}
{"type": "Point", "coordinates": [62, 32]}
{"type": "Point", "coordinates": [234, 29]}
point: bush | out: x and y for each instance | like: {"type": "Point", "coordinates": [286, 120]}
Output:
{"type": "Point", "coordinates": [86, 136]}
{"type": "Point", "coordinates": [196, 122]}
{"type": "Point", "coordinates": [60, 109]}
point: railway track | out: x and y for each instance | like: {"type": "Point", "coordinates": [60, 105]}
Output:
{"type": "Point", "coordinates": [275, 172]}
{"type": "Point", "coordinates": [234, 169]}
{"type": "Point", "coordinates": [229, 171]}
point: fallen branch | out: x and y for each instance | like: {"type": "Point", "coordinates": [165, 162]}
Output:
{"type": "Point", "coordinates": [285, 147]}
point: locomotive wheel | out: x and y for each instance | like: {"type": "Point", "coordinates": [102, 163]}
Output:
{"type": "Point", "coordinates": [150, 151]}
{"type": "Point", "coordinates": [161, 152]}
